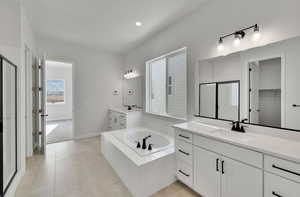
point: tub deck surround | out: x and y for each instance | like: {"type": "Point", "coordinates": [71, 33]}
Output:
{"type": "Point", "coordinates": [274, 146]}
{"type": "Point", "coordinates": [115, 137]}
{"type": "Point", "coordinates": [143, 175]}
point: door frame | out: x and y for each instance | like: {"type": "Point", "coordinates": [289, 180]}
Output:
{"type": "Point", "coordinates": [28, 100]}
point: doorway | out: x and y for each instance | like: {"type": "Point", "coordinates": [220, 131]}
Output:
{"type": "Point", "coordinates": [59, 101]}
{"type": "Point", "coordinates": [266, 92]}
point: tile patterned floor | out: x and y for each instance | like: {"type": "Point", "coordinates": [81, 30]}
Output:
{"type": "Point", "coordinates": [77, 169]}
{"type": "Point", "coordinates": [58, 131]}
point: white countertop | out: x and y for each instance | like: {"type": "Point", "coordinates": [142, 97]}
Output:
{"type": "Point", "coordinates": [125, 109]}
{"type": "Point", "coordinates": [274, 146]}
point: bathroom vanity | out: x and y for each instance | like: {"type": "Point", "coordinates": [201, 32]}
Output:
{"type": "Point", "coordinates": [121, 118]}
{"type": "Point", "coordinates": [215, 162]}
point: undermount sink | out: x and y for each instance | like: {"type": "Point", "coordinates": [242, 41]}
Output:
{"type": "Point", "coordinates": [232, 134]}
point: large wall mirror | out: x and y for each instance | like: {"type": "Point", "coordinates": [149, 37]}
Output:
{"type": "Point", "coordinates": [166, 85]}
{"type": "Point", "coordinates": [269, 92]}
{"type": "Point", "coordinates": [220, 100]}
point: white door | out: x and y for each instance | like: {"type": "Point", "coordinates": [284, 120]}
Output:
{"type": "Point", "coordinates": [241, 180]}
{"type": "Point", "coordinates": [39, 107]}
{"type": "Point", "coordinates": [254, 92]}
{"type": "Point", "coordinates": [207, 176]}
{"type": "Point", "coordinates": [292, 91]}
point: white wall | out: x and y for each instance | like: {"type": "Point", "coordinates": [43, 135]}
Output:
{"type": "Point", "coordinates": [96, 75]}
{"type": "Point", "coordinates": [15, 33]}
{"type": "Point", "coordinates": [200, 31]}
{"type": "Point", "coordinates": [61, 71]}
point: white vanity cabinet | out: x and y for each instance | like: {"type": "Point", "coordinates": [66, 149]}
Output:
{"type": "Point", "coordinates": [218, 169]}
{"type": "Point", "coordinates": [217, 163]}
{"type": "Point", "coordinates": [121, 118]}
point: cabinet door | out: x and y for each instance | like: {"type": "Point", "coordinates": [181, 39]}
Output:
{"type": "Point", "coordinates": [240, 180]}
{"type": "Point", "coordinates": [207, 177]}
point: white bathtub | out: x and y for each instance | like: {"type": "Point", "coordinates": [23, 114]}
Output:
{"type": "Point", "coordinates": [143, 172]}
{"type": "Point", "coordinates": [130, 137]}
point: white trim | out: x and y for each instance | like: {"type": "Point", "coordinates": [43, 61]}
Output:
{"type": "Point", "coordinates": [148, 84]}
{"type": "Point", "coordinates": [28, 100]}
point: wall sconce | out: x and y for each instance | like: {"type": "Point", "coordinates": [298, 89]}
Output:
{"type": "Point", "coordinates": [239, 35]}
{"type": "Point", "coordinates": [129, 74]}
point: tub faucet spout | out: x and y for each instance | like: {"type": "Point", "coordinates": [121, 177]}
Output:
{"type": "Point", "coordinates": [144, 146]}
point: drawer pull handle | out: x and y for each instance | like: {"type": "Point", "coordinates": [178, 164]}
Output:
{"type": "Point", "coordinates": [183, 152]}
{"type": "Point", "coordinates": [275, 194]}
{"type": "Point", "coordinates": [285, 170]}
{"type": "Point", "coordinates": [184, 136]}
{"type": "Point", "coordinates": [295, 105]}
{"type": "Point", "coordinates": [223, 167]}
{"type": "Point", "coordinates": [217, 164]}
{"type": "Point", "coordinates": [185, 174]}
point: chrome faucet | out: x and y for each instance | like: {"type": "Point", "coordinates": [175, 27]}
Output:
{"type": "Point", "coordinates": [144, 145]}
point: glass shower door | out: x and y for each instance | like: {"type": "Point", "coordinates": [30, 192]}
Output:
{"type": "Point", "coordinates": [8, 117]}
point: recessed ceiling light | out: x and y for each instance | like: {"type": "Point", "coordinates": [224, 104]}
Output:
{"type": "Point", "coordinates": [138, 24]}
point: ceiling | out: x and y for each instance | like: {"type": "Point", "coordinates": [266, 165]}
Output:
{"type": "Point", "coordinates": [105, 24]}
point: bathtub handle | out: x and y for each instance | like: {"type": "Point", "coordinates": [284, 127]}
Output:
{"type": "Point", "coordinates": [183, 136]}
{"type": "Point", "coordinates": [183, 152]}
{"type": "Point", "coordinates": [187, 175]}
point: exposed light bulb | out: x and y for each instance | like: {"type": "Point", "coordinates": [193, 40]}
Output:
{"type": "Point", "coordinates": [237, 40]}
{"type": "Point", "coordinates": [138, 24]}
{"type": "Point", "coordinates": [256, 35]}
{"type": "Point", "coordinates": [220, 45]}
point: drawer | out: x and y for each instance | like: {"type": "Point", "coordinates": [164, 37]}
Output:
{"type": "Point", "coordinates": [185, 173]}
{"type": "Point", "coordinates": [184, 135]}
{"type": "Point", "coordinates": [282, 167]}
{"type": "Point", "coordinates": [276, 186]}
{"type": "Point", "coordinates": [184, 151]}
{"type": "Point", "coordinates": [231, 151]}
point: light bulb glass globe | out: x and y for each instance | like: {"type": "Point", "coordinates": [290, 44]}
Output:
{"type": "Point", "coordinates": [256, 36]}
{"type": "Point", "coordinates": [220, 47]}
{"type": "Point", "coordinates": [237, 41]}
{"type": "Point", "coordinates": [138, 24]}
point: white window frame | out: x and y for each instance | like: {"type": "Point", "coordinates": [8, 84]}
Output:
{"type": "Point", "coordinates": [148, 83]}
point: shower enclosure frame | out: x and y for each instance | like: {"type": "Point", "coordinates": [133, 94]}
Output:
{"type": "Point", "coordinates": [3, 189]}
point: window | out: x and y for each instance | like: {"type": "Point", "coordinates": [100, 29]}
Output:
{"type": "Point", "coordinates": [55, 91]}
{"type": "Point", "coordinates": [166, 91]}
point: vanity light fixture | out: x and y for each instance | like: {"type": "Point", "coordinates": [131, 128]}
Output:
{"type": "Point", "coordinates": [256, 34]}
{"type": "Point", "coordinates": [220, 44]}
{"type": "Point", "coordinates": [239, 35]}
{"type": "Point", "coordinates": [129, 74]}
